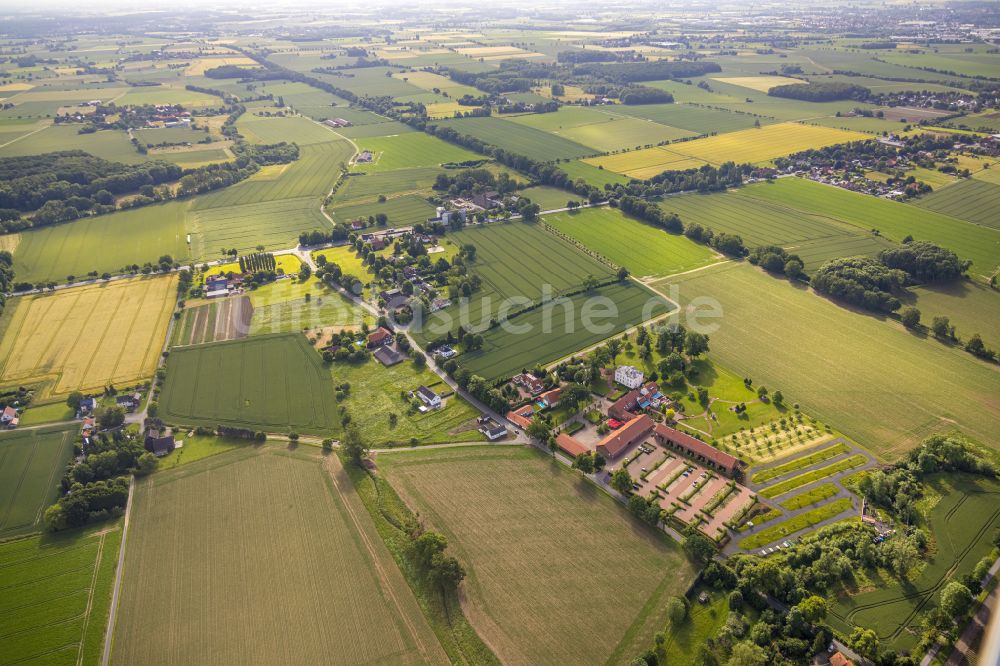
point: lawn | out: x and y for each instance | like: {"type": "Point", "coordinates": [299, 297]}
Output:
{"type": "Point", "coordinates": [962, 525]}
{"type": "Point", "coordinates": [893, 219]}
{"type": "Point", "coordinates": [308, 555]}
{"type": "Point", "coordinates": [88, 337]}
{"type": "Point", "coordinates": [641, 248]}
{"type": "Point", "coordinates": [56, 592]}
{"type": "Point", "coordinates": [970, 199]}
{"type": "Point", "coordinates": [800, 522]}
{"type": "Point", "coordinates": [524, 528]}
{"type": "Point", "coordinates": [31, 465]}
{"type": "Point", "coordinates": [549, 333]}
{"type": "Point", "coordinates": [199, 447]}
{"type": "Point", "coordinates": [376, 392]}
{"type": "Point", "coordinates": [273, 383]}
{"type": "Point", "coordinates": [791, 484]}
{"type": "Point", "coordinates": [409, 150]}
{"type": "Point", "coordinates": [102, 243]}
{"type": "Point", "coordinates": [519, 139]}
{"type": "Point", "coordinates": [787, 338]}
{"type": "Point", "coordinates": [47, 413]}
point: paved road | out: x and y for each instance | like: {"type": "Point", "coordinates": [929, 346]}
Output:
{"type": "Point", "coordinates": [971, 637]}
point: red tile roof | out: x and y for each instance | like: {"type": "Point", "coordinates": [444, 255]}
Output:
{"type": "Point", "coordinates": [695, 446]}
{"type": "Point", "coordinates": [570, 445]}
{"type": "Point", "coordinates": [518, 418]}
{"type": "Point", "coordinates": [615, 442]}
{"type": "Point", "coordinates": [838, 659]}
{"type": "Point", "coordinates": [551, 397]}
{"type": "Point", "coordinates": [379, 336]}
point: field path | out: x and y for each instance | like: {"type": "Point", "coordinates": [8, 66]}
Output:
{"type": "Point", "coordinates": [116, 593]}
{"type": "Point", "coordinates": [356, 152]}
{"type": "Point", "coordinates": [339, 478]}
{"type": "Point", "coordinates": [25, 136]}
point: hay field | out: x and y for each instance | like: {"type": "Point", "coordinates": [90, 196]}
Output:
{"type": "Point", "coordinates": [525, 529]}
{"type": "Point", "coordinates": [641, 248]}
{"type": "Point", "coordinates": [274, 224]}
{"type": "Point", "coordinates": [894, 220]}
{"type": "Point", "coordinates": [273, 559]}
{"type": "Point", "coordinates": [87, 337]}
{"type": "Point", "coordinates": [198, 67]}
{"type": "Point", "coordinates": [788, 338]}
{"type": "Point", "coordinates": [102, 243]}
{"type": "Point", "coordinates": [408, 150]}
{"type": "Point", "coordinates": [293, 129]}
{"type": "Point", "coordinates": [31, 464]}
{"type": "Point", "coordinates": [272, 383]}
{"type": "Point", "coordinates": [55, 595]}
{"type": "Point", "coordinates": [401, 211]}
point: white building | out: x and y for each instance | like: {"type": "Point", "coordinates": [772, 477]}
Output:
{"type": "Point", "coordinates": [628, 376]}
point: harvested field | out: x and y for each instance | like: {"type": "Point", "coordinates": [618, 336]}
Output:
{"type": "Point", "coordinates": [87, 337]}
{"type": "Point", "coordinates": [308, 556]}
{"type": "Point", "coordinates": [524, 527]}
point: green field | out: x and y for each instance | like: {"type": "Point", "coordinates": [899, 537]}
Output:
{"type": "Point", "coordinates": [800, 463]}
{"type": "Point", "coordinates": [643, 249]}
{"type": "Point", "coordinates": [404, 210]}
{"type": "Point", "coordinates": [409, 150]}
{"type": "Point", "coordinates": [893, 219]}
{"type": "Point", "coordinates": [293, 129]}
{"type": "Point", "coordinates": [56, 595]}
{"type": "Point", "coordinates": [971, 307]}
{"type": "Point", "coordinates": [525, 528]}
{"type": "Point", "coordinates": [308, 555]}
{"type": "Point", "coordinates": [800, 480]}
{"type": "Point", "coordinates": [601, 130]}
{"type": "Point", "coordinates": [549, 333]}
{"type": "Point", "coordinates": [31, 465]}
{"type": "Point", "coordinates": [361, 185]}
{"type": "Point", "coordinates": [962, 524]}
{"type": "Point", "coordinates": [900, 377]}
{"type": "Point", "coordinates": [591, 174]}
{"type": "Point", "coordinates": [274, 224]}
{"type": "Point", "coordinates": [800, 522]}
{"type": "Point", "coordinates": [272, 383]}
{"type": "Point", "coordinates": [519, 139]}
{"type": "Point", "coordinates": [111, 145]}
{"type": "Point", "coordinates": [696, 119]}
{"type": "Point", "coordinates": [102, 243]}
{"type": "Point", "coordinates": [324, 307]}
{"type": "Point", "coordinates": [970, 199]}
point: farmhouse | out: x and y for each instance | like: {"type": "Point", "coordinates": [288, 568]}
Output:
{"type": "Point", "coordinates": [695, 448]}
{"type": "Point", "coordinates": [159, 443]}
{"type": "Point", "coordinates": [570, 445]}
{"type": "Point", "coordinates": [521, 417]}
{"type": "Point", "coordinates": [491, 428]}
{"type": "Point", "coordinates": [130, 401]}
{"type": "Point", "coordinates": [9, 417]}
{"type": "Point", "coordinates": [618, 441]}
{"type": "Point", "coordinates": [393, 298]}
{"type": "Point", "coordinates": [628, 376]}
{"type": "Point", "coordinates": [379, 338]}
{"type": "Point", "coordinates": [429, 397]}
{"type": "Point", "coordinates": [387, 355]}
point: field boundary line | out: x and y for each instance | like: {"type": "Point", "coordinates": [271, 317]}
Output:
{"type": "Point", "coordinates": [376, 562]}
{"type": "Point", "coordinates": [116, 592]}
{"type": "Point", "coordinates": [90, 599]}
{"type": "Point", "coordinates": [25, 136]}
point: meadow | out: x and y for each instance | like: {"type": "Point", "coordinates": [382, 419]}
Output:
{"type": "Point", "coordinates": [643, 249]}
{"type": "Point", "coordinates": [273, 383]}
{"type": "Point", "coordinates": [549, 333]}
{"type": "Point", "coordinates": [519, 138]}
{"type": "Point", "coordinates": [111, 145]}
{"type": "Point", "coordinates": [971, 307]}
{"type": "Point", "coordinates": [273, 506]}
{"type": "Point", "coordinates": [102, 243]}
{"type": "Point", "coordinates": [691, 117]}
{"type": "Point", "coordinates": [591, 174]}
{"type": "Point", "coordinates": [323, 308]}
{"type": "Point", "coordinates": [894, 220]}
{"type": "Point", "coordinates": [87, 337]}
{"type": "Point", "coordinates": [31, 464]}
{"type": "Point", "coordinates": [962, 524]}
{"type": "Point", "coordinates": [409, 150]}
{"type": "Point", "coordinates": [524, 527]}
{"type": "Point", "coordinates": [785, 337]}
{"type": "Point", "coordinates": [361, 185]}
{"type": "Point", "coordinates": [56, 595]}
{"type": "Point", "coordinates": [601, 130]}
{"type": "Point", "coordinates": [970, 199]}
{"type": "Point", "coordinates": [293, 129]}
{"type": "Point", "coordinates": [274, 224]}
{"type": "Point", "coordinates": [404, 210]}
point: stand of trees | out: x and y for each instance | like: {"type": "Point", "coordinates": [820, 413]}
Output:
{"type": "Point", "coordinates": [821, 91]}
{"type": "Point", "coordinates": [258, 262]}
{"type": "Point", "coordinates": [861, 281]}
{"type": "Point", "coordinates": [925, 262]}
{"type": "Point", "coordinates": [645, 95]}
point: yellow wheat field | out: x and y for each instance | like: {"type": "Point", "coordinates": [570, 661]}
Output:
{"type": "Point", "coordinates": [758, 83]}
{"type": "Point", "coordinates": [87, 337]}
{"type": "Point", "coordinates": [198, 67]}
{"type": "Point", "coordinates": [754, 146]}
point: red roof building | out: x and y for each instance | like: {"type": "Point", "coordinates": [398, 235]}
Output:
{"type": "Point", "coordinates": [551, 398]}
{"type": "Point", "coordinates": [379, 338]}
{"type": "Point", "coordinates": [521, 417]}
{"type": "Point", "coordinates": [626, 406]}
{"type": "Point", "coordinates": [618, 441]}
{"type": "Point", "coordinates": [695, 448]}
{"type": "Point", "coordinates": [838, 659]}
{"type": "Point", "coordinates": [570, 445]}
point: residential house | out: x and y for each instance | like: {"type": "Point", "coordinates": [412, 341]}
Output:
{"type": "Point", "coordinates": [616, 442]}
{"type": "Point", "coordinates": [380, 338]}
{"type": "Point", "coordinates": [533, 385]}
{"type": "Point", "coordinates": [839, 659]}
{"type": "Point", "coordinates": [88, 405]}
{"type": "Point", "coordinates": [158, 442]}
{"type": "Point", "coordinates": [445, 352]}
{"type": "Point", "coordinates": [491, 428]}
{"type": "Point", "coordinates": [393, 298]}
{"type": "Point", "coordinates": [87, 429]}
{"type": "Point", "coordinates": [487, 200]}
{"type": "Point", "coordinates": [9, 417]}
{"type": "Point", "coordinates": [129, 401]}
{"type": "Point", "coordinates": [636, 401]}
{"type": "Point", "coordinates": [521, 417]}
{"type": "Point", "coordinates": [695, 448]}
{"type": "Point", "coordinates": [570, 445]}
{"type": "Point", "coordinates": [387, 355]}
{"type": "Point", "coordinates": [628, 376]}
{"type": "Point", "coordinates": [429, 397]}
{"type": "Point", "coordinates": [551, 398]}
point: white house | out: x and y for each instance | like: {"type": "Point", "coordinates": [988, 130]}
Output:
{"type": "Point", "coordinates": [430, 398]}
{"type": "Point", "coordinates": [628, 376]}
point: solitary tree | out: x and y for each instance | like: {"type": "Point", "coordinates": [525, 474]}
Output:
{"type": "Point", "coordinates": [910, 316]}
{"type": "Point", "coordinates": [354, 445]}
{"type": "Point", "coordinates": [621, 481]}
